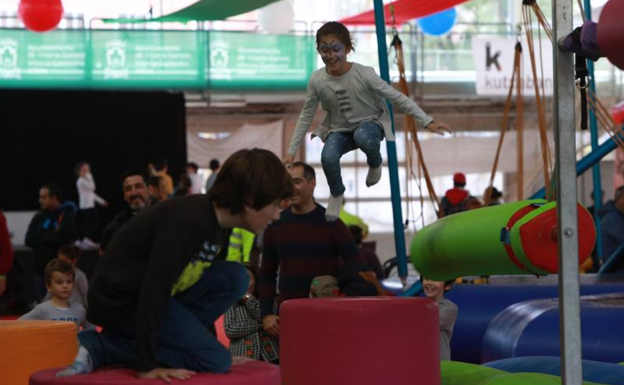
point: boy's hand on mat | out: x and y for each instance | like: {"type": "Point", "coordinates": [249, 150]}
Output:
{"type": "Point", "coordinates": [271, 324]}
{"type": "Point", "coordinates": [439, 127]}
{"type": "Point", "coordinates": [288, 160]}
{"type": "Point", "coordinates": [166, 374]}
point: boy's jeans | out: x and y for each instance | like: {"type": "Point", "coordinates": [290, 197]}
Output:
{"type": "Point", "coordinates": [183, 341]}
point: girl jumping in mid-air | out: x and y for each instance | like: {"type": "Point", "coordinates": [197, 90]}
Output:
{"type": "Point", "coordinates": [353, 96]}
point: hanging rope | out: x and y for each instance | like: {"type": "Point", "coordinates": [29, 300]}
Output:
{"type": "Point", "coordinates": [409, 150]}
{"type": "Point", "coordinates": [615, 131]}
{"type": "Point", "coordinates": [411, 132]}
{"type": "Point", "coordinates": [515, 78]}
{"type": "Point", "coordinates": [580, 4]}
{"type": "Point", "coordinates": [540, 16]}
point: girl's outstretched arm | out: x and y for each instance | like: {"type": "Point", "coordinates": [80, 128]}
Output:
{"type": "Point", "coordinates": [405, 104]}
{"type": "Point", "coordinates": [439, 127]}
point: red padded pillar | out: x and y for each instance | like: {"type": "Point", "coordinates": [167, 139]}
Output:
{"type": "Point", "coordinates": [610, 31]}
{"type": "Point", "coordinates": [374, 340]}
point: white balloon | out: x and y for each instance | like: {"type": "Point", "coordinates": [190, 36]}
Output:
{"type": "Point", "coordinates": [277, 18]}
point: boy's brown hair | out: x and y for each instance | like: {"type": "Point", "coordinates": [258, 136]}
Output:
{"type": "Point", "coordinates": [70, 251]}
{"type": "Point", "coordinates": [60, 266]}
{"type": "Point", "coordinates": [254, 178]}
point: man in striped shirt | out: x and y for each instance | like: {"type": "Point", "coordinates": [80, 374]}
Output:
{"type": "Point", "coordinates": [303, 245]}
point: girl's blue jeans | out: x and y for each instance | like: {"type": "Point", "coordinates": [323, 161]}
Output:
{"type": "Point", "coordinates": [367, 137]}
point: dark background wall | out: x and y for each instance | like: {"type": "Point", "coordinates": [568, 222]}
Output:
{"type": "Point", "coordinates": [44, 134]}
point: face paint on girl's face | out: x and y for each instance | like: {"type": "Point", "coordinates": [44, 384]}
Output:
{"type": "Point", "coordinates": [332, 52]}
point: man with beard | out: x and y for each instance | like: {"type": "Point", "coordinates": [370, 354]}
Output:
{"type": "Point", "coordinates": [136, 195]}
{"type": "Point", "coordinates": [300, 246]}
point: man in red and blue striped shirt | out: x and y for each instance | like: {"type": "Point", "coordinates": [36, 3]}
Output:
{"type": "Point", "coordinates": [303, 245]}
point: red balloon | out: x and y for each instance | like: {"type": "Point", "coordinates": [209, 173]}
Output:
{"type": "Point", "coordinates": [40, 15]}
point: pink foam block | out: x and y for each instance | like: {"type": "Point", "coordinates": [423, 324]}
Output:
{"type": "Point", "coordinates": [249, 373]}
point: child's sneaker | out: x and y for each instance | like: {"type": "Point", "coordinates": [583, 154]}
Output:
{"type": "Point", "coordinates": [374, 175]}
{"type": "Point", "coordinates": [333, 208]}
{"type": "Point", "coordinates": [82, 364]}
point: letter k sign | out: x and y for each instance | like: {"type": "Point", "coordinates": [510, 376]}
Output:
{"type": "Point", "coordinates": [489, 59]}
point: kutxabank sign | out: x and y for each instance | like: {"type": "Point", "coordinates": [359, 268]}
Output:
{"type": "Point", "coordinates": [153, 60]}
{"type": "Point", "coordinates": [493, 63]}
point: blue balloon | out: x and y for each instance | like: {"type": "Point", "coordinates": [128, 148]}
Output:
{"type": "Point", "coordinates": [438, 23]}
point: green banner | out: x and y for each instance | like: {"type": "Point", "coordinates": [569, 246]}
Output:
{"type": "Point", "coordinates": [94, 59]}
{"type": "Point", "coordinates": [204, 10]}
{"type": "Point", "coordinates": [242, 60]}
{"type": "Point", "coordinates": [147, 59]}
{"type": "Point", "coordinates": [29, 59]}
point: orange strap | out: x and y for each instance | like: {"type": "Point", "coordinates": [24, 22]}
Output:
{"type": "Point", "coordinates": [515, 77]}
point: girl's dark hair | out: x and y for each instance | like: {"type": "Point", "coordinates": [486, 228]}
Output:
{"type": "Point", "coordinates": [495, 193]}
{"type": "Point", "coordinates": [79, 166]}
{"type": "Point", "coordinates": [254, 178]}
{"type": "Point", "coordinates": [255, 273]}
{"type": "Point", "coordinates": [337, 29]}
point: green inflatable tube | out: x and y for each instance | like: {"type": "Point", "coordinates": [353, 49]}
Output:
{"type": "Point", "coordinates": [460, 373]}
{"type": "Point", "coordinates": [514, 238]}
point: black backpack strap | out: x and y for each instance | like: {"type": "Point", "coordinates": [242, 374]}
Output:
{"type": "Point", "coordinates": [581, 74]}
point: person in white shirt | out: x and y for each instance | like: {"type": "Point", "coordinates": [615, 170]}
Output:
{"type": "Point", "coordinates": [196, 179]}
{"type": "Point", "coordinates": [88, 218]}
{"type": "Point", "coordinates": [352, 95]}
{"type": "Point", "coordinates": [214, 168]}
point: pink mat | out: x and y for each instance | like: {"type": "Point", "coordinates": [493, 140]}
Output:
{"type": "Point", "coordinates": [249, 373]}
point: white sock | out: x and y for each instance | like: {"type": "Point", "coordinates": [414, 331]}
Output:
{"type": "Point", "coordinates": [333, 208]}
{"type": "Point", "coordinates": [374, 174]}
{"type": "Point", "coordinates": [82, 364]}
